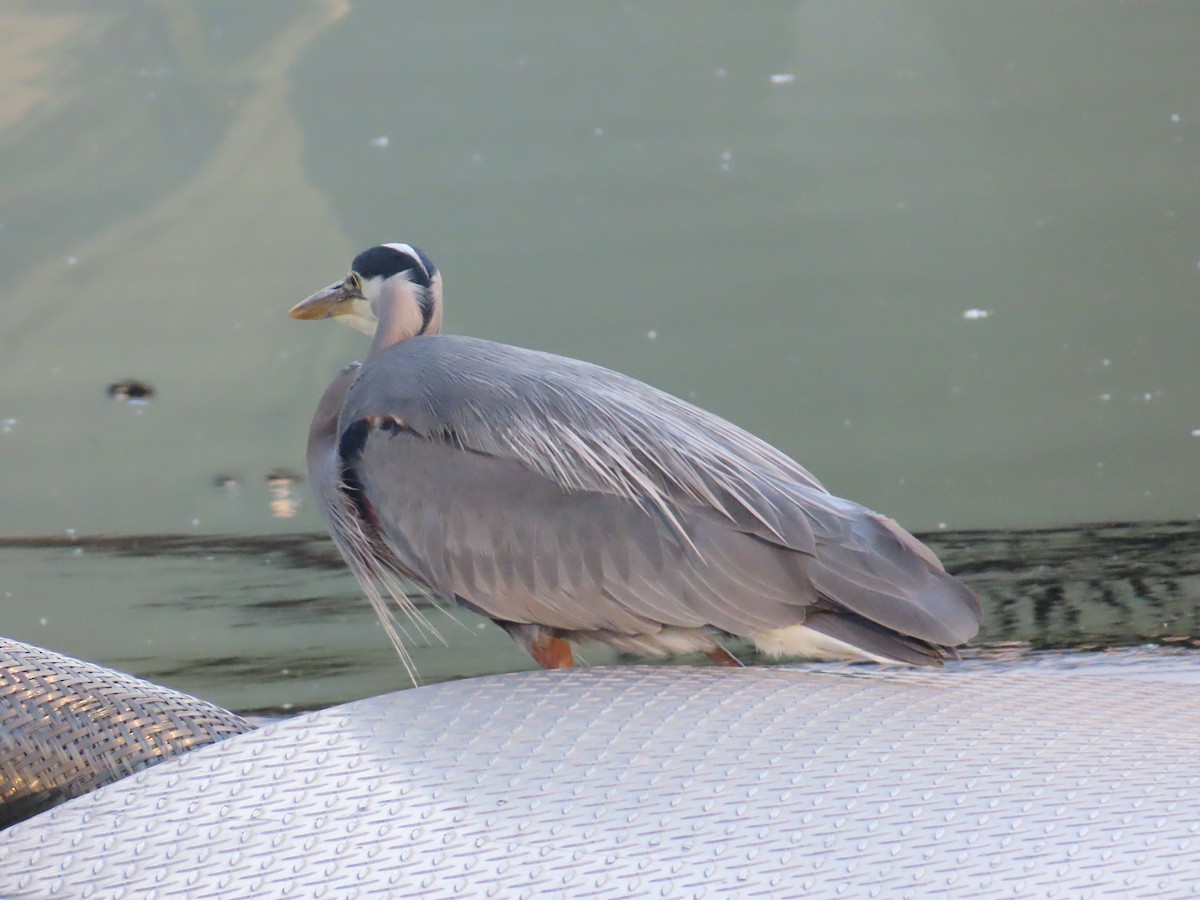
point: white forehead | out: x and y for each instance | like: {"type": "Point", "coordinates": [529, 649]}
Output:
{"type": "Point", "coordinates": [405, 248]}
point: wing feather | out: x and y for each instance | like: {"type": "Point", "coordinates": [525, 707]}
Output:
{"type": "Point", "coordinates": [545, 490]}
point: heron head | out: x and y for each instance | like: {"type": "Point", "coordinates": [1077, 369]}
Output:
{"type": "Point", "coordinates": [393, 280]}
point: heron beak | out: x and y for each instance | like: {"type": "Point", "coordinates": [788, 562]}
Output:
{"type": "Point", "coordinates": [335, 300]}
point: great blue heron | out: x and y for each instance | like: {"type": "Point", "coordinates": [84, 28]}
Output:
{"type": "Point", "coordinates": [568, 502]}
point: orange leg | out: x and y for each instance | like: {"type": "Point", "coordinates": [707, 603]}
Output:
{"type": "Point", "coordinates": [551, 652]}
{"type": "Point", "coordinates": [723, 657]}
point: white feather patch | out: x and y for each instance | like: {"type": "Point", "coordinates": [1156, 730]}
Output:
{"type": "Point", "coordinates": [360, 317]}
{"type": "Point", "coordinates": [800, 640]}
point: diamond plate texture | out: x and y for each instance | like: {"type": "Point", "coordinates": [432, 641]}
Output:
{"type": "Point", "coordinates": [670, 782]}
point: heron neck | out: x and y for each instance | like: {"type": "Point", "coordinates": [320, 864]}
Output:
{"type": "Point", "coordinates": [399, 319]}
{"type": "Point", "coordinates": [385, 339]}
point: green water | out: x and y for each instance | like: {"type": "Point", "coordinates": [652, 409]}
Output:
{"type": "Point", "coordinates": [946, 256]}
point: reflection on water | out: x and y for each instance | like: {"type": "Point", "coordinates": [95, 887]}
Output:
{"type": "Point", "coordinates": [1085, 587]}
{"type": "Point", "coordinates": [276, 623]}
{"type": "Point", "coordinates": [285, 498]}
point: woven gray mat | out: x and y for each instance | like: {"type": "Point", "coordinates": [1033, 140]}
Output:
{"type": "Point", "coordinates": [68, 726]}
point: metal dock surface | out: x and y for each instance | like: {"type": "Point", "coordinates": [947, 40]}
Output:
{"type": "Point", "coordinates": [659, 781]}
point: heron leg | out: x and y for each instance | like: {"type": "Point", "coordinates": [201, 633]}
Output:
{"type": "Point", "coordinates": [547, 649]}
{"type": "Point", "coordinates": [551, 652]}
{"type": "Point", "coordinates": [723, 657]}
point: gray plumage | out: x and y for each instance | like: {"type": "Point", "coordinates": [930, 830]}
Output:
{"type": "Point", "coordinates": [565, 500]}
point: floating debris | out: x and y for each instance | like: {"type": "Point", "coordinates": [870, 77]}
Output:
{"type": "Point", "coordinates": [381, 141]}
{"type": "Point", "coordinates": [283, 476]}
{"type": "Point", "coordinates": [131, 390]}
{"type": "Point", "coordinates": [970, 314]}
{"type": "Point", "coordinates": [783, 78]}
